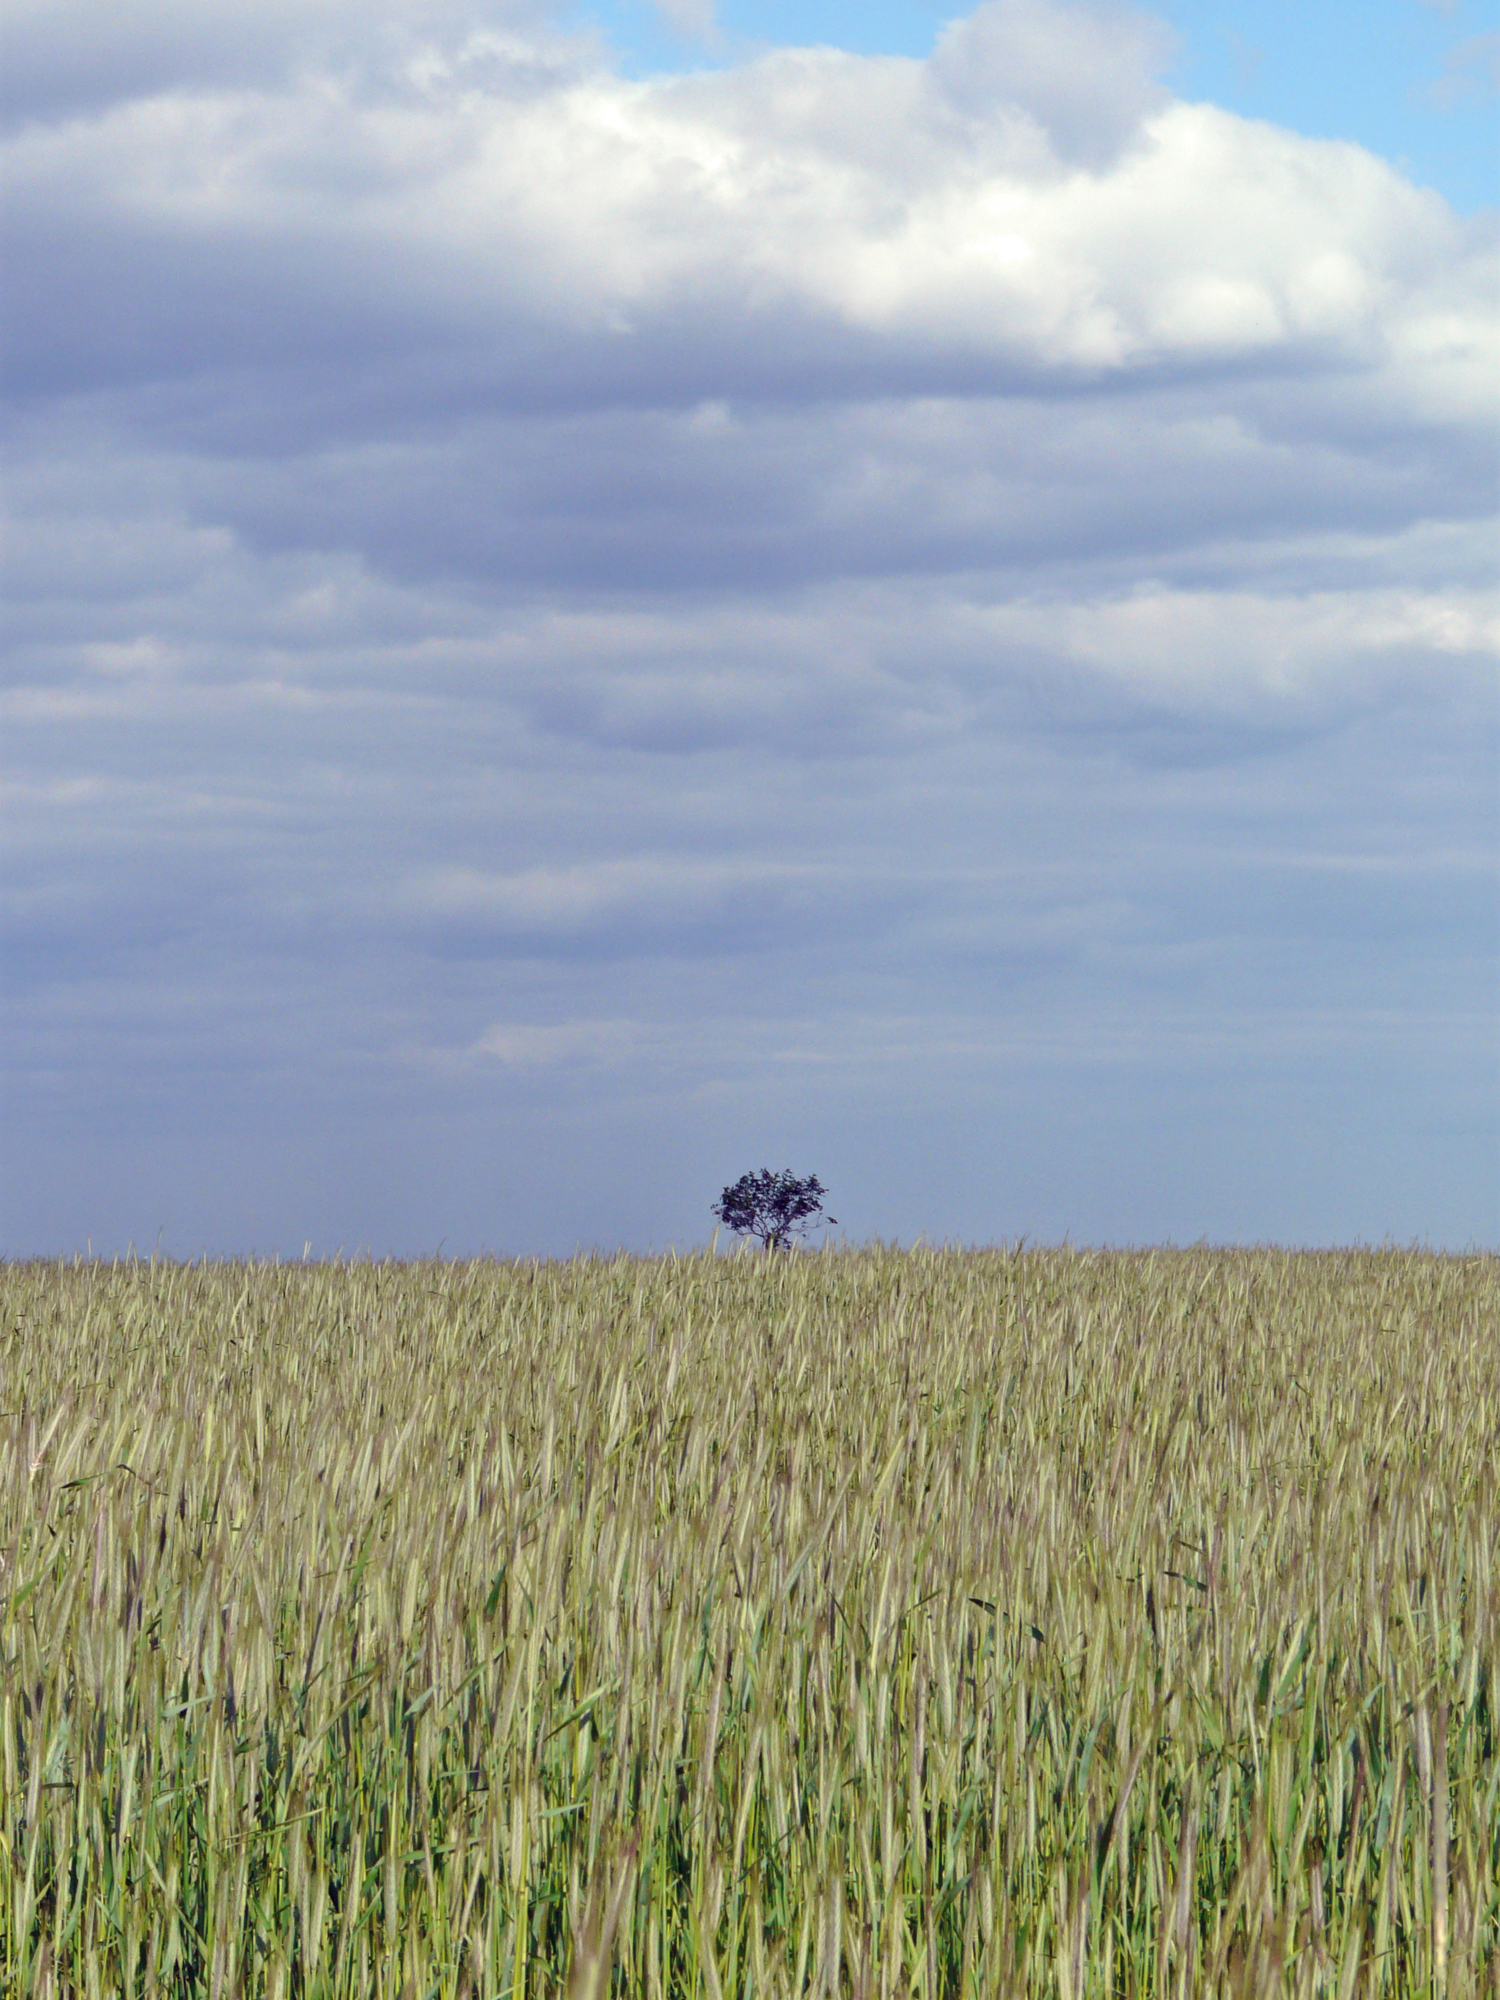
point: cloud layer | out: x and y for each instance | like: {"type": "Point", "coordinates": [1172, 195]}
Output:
{"type": "Point", "coordinates": [837, 590]}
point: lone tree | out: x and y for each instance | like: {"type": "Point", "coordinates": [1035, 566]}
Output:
{"type": "Point", "coordinates": [773, 1208]}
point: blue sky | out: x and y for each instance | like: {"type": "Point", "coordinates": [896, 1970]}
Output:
{"type": "Point", "coordinates": [581, 619]}
{"type": "Point", "coordinates": [1414, 80]}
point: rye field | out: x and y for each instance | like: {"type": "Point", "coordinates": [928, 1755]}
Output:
{"type": "Point", "coordinates": [867, 1623]}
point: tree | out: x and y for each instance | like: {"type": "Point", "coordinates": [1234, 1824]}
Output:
{"type": "Point", "coordinates": [773, 1208]}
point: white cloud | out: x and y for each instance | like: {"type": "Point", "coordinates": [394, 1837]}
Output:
{"type": "Point", "coordinates": [751, 209]}
{"type": "Point", "coordinates": [561, 899]}
{"type": "Point", "coordinates": [587, 1042]}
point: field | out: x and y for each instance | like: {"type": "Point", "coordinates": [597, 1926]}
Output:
{"type": "Point", "coordinates": [867, 1623]}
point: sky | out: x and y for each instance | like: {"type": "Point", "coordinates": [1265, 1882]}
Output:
{"type": "Point", "coordinates": [600, 597]}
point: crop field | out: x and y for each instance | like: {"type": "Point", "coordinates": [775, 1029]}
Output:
{"type": "Point", "coordinates": [926, 1623]}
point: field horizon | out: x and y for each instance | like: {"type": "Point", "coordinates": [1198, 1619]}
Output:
{"type": "Point", "coordinates": [719, 1246]}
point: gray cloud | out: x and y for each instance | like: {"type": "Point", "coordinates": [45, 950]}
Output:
{"type": "Point", "coordinates": [690, 17]}
{"type": "Point", "coordinates": [1471, 68]}
{"type": "Point", "coordinates": [1087, 74]}
{"type": "Point", "coordinates": [66, 60]}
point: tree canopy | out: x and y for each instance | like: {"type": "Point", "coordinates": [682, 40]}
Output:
{"type": "Point", "coordinates": [773, 1208]}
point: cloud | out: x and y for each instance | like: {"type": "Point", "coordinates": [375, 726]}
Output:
{"type": "Point", "coordinates": [690, 17]}
{"type": "Point", "coordinates": [592, 1043]}
{"type": "Point", "coordinates": [616, 904]}
{"type": "Point", "coordinates": [428, 353]}
{"type": "Point", "coordinates": [740, 232]}
{"type": "Point", "coordinates": [1086, 75]}
{"type": "Point", "coordinates": [1471, 69]}
{"type": "Point", "coordinates": [799, 566]}
{"type": "Point", "coordinates": [73, 59]}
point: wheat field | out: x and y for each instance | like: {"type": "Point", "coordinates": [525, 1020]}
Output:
{"type": "Point", "coordinates": [924, 1623]}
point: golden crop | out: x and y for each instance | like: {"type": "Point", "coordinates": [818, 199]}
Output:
{"type": "Point", "coordinates": [866, 1623]}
